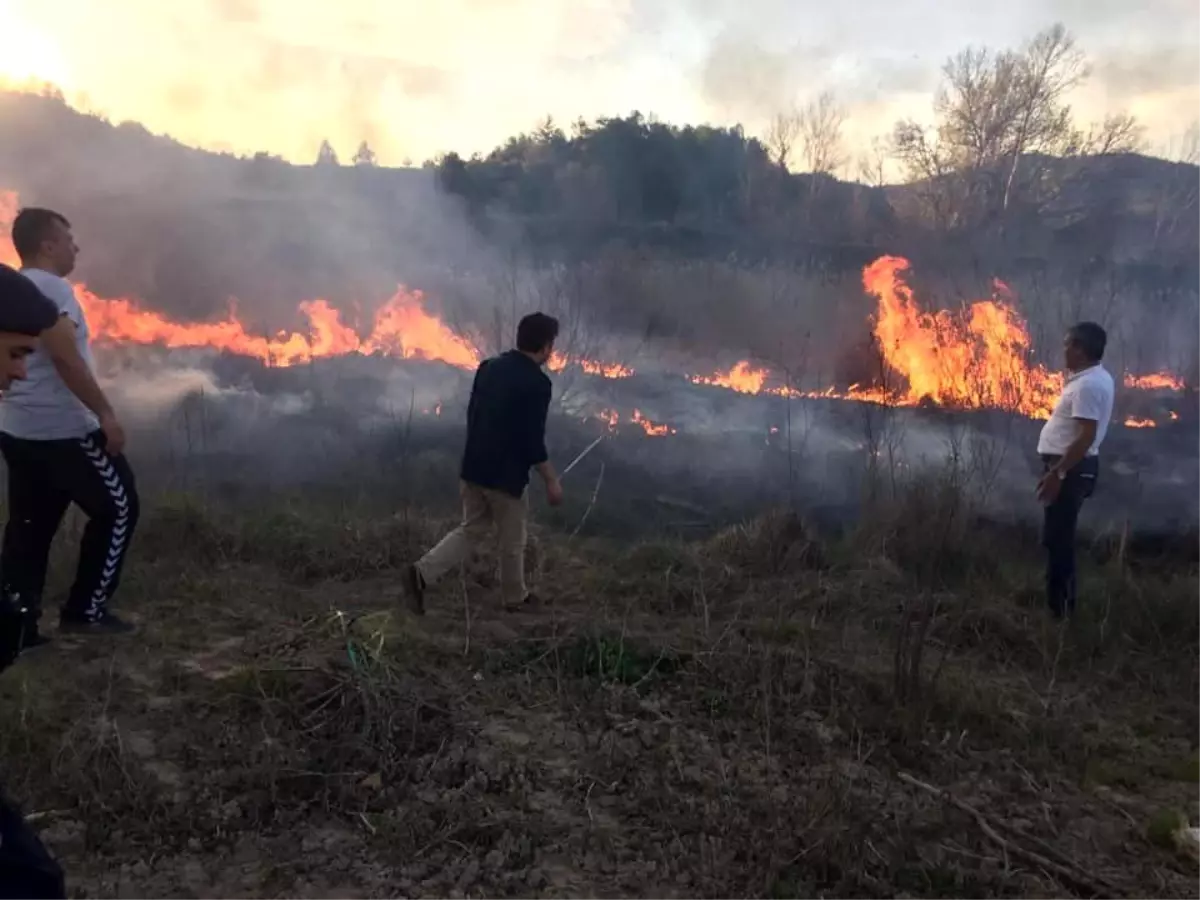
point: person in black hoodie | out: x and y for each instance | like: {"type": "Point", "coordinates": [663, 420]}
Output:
{"type": "Point", "coordinates": [506, 437]}
{"type": "Point", "coordinates": [26, 868]}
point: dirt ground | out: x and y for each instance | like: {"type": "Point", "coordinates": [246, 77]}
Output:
{"type": "Point", "coordinates": [754, 715]}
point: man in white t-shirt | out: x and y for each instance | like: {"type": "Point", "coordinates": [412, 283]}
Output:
{"type": "Point", "coordinates": [1069, 446]}
{"type": "Point", "coordinates": [62, 444]}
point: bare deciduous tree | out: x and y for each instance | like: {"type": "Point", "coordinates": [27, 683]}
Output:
{"type": "Point", "coordinates": [326, 155]}
{"type": "Point", "coordinates": [780, 136]}
{"type": "Point", "coordinates": [872, 163]}
{"type": "Point", "coordinates": [1119, 133]}
{"type": "Point", "coordinates": [1003, 119]}
{"type": "Point", "coordinates": [1177, 194]}
{"type": "Point", "coordinates": [365, 156]}
{"type": "Point", "coordinates": [939, 186]}
{"type": "Point", "coordinates": [820, 134]}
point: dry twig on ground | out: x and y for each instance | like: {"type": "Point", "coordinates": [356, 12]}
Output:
{"type": "Point", "coordinates": [1067, 870]}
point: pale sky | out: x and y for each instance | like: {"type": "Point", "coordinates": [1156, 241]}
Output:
{"type": "Point", "coordinates": [418, 78]}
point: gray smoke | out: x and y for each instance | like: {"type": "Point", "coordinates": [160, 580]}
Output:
{"type": "Point", "coordinates": [360, 416]}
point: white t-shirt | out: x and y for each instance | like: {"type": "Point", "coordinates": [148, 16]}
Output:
{"type": "Point", "coordinates": [1087, 394]}
{"type": "Point", "coordinates": [42, 407]}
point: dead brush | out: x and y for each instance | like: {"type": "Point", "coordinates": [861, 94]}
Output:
{"type": "Point", "coordinates": [777, 542]}
{"type": "Point", "coordinates": [309, 544]}
{"type": "Point", "coordinates": [338, 700]}
{"type": "Point", "coordinates": [89, 767]}
{"type": "Point", "coordinates": [923, 529]}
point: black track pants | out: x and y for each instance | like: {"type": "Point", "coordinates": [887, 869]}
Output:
{"type": "Point", "coordinates": [44, 478]}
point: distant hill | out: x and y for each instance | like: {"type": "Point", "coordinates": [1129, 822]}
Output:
{"type": "Point", "coordinates": [187, 228]}
{"type": "Point", "coordinates": [1122, 208]}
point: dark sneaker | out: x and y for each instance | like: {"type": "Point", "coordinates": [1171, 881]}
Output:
{"type": "Point", "coordinates": [414, 591]}
{"type": "Point", "coordinates": [531, 601]}
{"type": "Point", "coordinates": [109, 623]}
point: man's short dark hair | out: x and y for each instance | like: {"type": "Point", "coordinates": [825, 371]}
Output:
{"type": "Point", "coordinates": [33, 225]}
{"type": "Point", "coordinates": [23, 308]}
{"type": "Point", "coordinates": [535, 331]}
{"type": "Point", "coordinates": [1091, 339]}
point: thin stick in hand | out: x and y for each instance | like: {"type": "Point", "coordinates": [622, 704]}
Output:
{"type": "Point", "coordinates": [586, 450]}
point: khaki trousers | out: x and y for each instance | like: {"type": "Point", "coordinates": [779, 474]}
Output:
{"type": "Point", "coordinates": [482, 509]}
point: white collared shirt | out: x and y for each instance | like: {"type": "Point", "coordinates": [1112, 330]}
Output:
{"type": "Point", "coordinates": [1087, 394]}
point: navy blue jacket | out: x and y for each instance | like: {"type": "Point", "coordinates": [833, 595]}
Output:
{"type": "Point", "coordinates": [506, 423]}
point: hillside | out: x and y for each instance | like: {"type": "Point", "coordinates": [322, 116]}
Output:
{"type": "Point", "coordinates": [186, 229]}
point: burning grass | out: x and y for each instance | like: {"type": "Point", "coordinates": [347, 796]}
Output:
{"type": "Point", "coordinates": [764, 712]}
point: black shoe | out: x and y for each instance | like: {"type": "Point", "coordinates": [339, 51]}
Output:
{"type": "Point", "coordinates": [414, 591]}
{"type": "Point", "coordinates": [531, 601]}
{"type": "Point", "coordinates": [109, 623]}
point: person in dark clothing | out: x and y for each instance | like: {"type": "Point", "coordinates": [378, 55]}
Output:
{"type": "Point", "coordinates": [1069, 447]}
{"type": "Point", "coordinates": [26, 868]}
{"type": "Point", "coordinates": [63, 444]}
{"type": "Point", "coordinates": [506, 437]}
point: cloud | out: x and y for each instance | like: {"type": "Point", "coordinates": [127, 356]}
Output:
{"type": "Point", "coordinates": [417, 79]}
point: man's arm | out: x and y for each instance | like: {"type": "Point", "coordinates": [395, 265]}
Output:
{"type": "Point", "coordinates": [1078, 448]}
{"type": "Point", "coordinates": [535, 437]}
{"type": "Point", "coordinates": [534, 427]}
{"type": "Point", "coordinates": [59, 344]}
{"type": "Point", "coordinates": [474, 391]}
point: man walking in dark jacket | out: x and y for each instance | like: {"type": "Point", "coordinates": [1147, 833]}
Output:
{"type": "Point", "coordinates": [26, 868]}
{"type": "Point", "coordinates": [506, 436]}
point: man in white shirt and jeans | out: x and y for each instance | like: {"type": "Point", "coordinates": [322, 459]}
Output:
{"type": "Point", "coordinates": [1069, 446]}
{"type": "Point", "coordinates": [62, 444]}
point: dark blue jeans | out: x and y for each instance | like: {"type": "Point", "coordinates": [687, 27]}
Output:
{"type": "Point", "coordinates": [1058, 531]}
{"type": "Point", "coordinates": [26, 869]}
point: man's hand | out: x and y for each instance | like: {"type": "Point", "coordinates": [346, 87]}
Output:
{"type": "Point", "coordinates": [1048, 488]}
{"type": "Point", "coordinates": [554, 491]}
{"type": "Point", "coordinates": [114, 435]}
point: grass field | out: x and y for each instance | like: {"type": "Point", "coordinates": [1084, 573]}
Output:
{"type": "Point", "coordinates": [763, 711]}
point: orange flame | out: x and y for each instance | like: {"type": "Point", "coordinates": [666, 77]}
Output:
{"type": "Point", "coordinates": [976, 360]}
{"type": "Point", "coordinates": [653, 429]}
{"type": "Point", "coordinates": [605, 370]}
{"type": "Point", "coordinates": [1155, 381]}
{"type": "Point", "coordinates": [559, 361]}
{"type": "Point", "coordinates": [743, 378]}
{"type": "Point", "coordinates": [9, 204]}
{"type": "Point", "coordinates": [402, 328]}
{"type": "Point", "coordinates": [609, 417]}
{"type": "Point", "coordinates": [1135, 422]}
